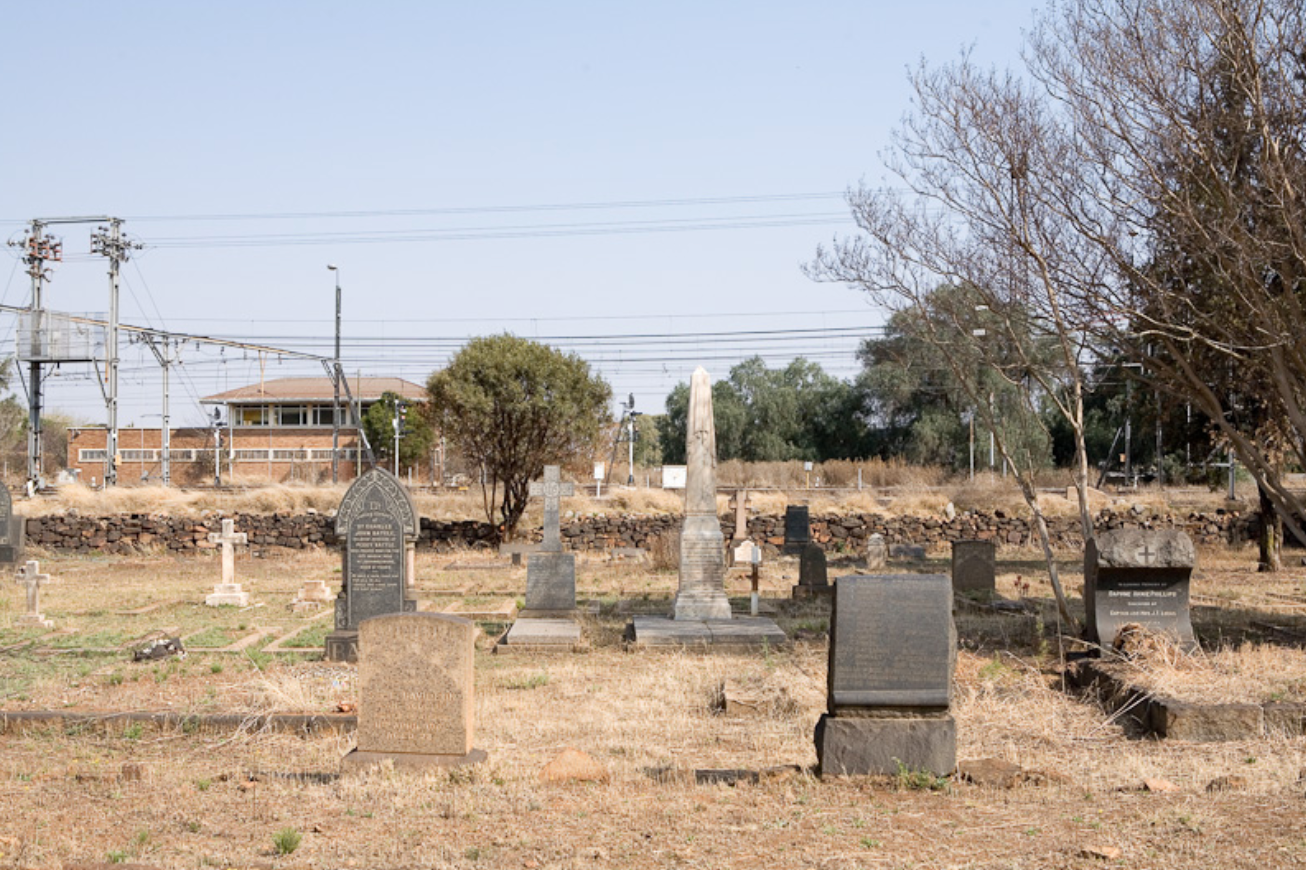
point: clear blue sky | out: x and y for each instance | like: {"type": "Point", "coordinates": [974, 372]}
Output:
{"type": "Point", "coordinates": [431, 125]}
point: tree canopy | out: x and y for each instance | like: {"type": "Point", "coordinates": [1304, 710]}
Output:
{"type": "Point", "coordinates": [512, 406]}
{"type": "Point", "coordinates": [414, 443]}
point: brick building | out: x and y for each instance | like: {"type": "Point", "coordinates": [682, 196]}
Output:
{"type": "Point", "coordinates": [276, 431]}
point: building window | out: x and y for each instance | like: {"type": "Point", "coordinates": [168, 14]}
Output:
{"type": "Point", "coordinates": [324, 415]}
{"type": "Point", "coordinates": [247, 455]}
{"type": "Point", "coordinates": [85, 455]}
{"type": "Point", "coordinates": [292, 415]}
{"type": "Point", "coordinates": [289, 455]}
{"type": "Point", "coordinates": [137, 455]}
{"type": "Point", "coordinates": [185, 455]}
{"type": "Point", "coordinates": [254, 415]}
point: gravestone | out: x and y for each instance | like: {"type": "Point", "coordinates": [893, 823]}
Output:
{"type": "Point", "coordinates": [893, 648]}
{"type": "Point", "coordinates": [974, 566]}
{"type": "Point", "coordinates": [228, 591]}
{"type": "Point", "coordinates": [378, 524]}
{"type": "Point", "coordinates": [701, 593]}
{"type": "Point", "coordinates": [31, 579]}
{"type": "Point", "coordinates": [739, 504]}
{"type": "Point", "coordinates": [913, 552]}
{"type": "Point", "coordinates": [1139, 576]}
{"type": "Point", "coordinates": [798, 529]}
{"type": "Point", "coordinates": [311, 595]}
{"type": "Point", "coordinates": [813, 577]}
{"type": "Point", "coordinates": [548, 619]}
{"type": "Point", "coordinates": [701, 614]}
{"type": "Point", "coordinates": [416, 705]}
{"type": "Point", "coordinates": [12, 530]}
{"type": "Point", "coordinates": [877, 552]}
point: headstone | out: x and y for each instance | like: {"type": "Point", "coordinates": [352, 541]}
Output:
{"type": "Point", "coordinates": [701, 593]}
{"type": "Point", "coordinates": [1139, 576]}
{"type": "Point", "coordinates": [974, 566]}
{"type": "Point", "coordinates": [378, 524]}
{"type": "Point", "coordinates": [314, 591]}
{"type": "Point", "coordinates": [415, 692]}
{"type": "Point", "coordinates": [914, 552]}
{"type": "Point", "coordinates": [798, 529]}
{"type": "Point", "coordinates": [12, 528]}
{"type": "Point", "coordinates": [550, 578]}
{"type": "Point", "coordinates": [228, 591]}
{"type": "Point", "coordinates": [889, 682]}
{"type": "Point", "coordinates": [739, 504]}
{"type": "Point", "coordinates": [813, 578]}
{"type": "Point", "coordinates": [31, 578]}
{"type": "Point", "coordinates": [877, 552]}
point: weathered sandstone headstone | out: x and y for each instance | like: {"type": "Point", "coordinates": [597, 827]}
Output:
{"type": "Point", "coordinates": [877, 552]}
{"type": "Point", "coordinates": [416, 704]}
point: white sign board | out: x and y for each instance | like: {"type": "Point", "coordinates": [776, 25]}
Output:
{"type": "Point", "coordinates": [673, 477]}
{"type": "Point", "coordinates": [598, 471]}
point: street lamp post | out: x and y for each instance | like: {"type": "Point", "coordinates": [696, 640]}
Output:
{"type": "Point", "coordinates": [335, 383]}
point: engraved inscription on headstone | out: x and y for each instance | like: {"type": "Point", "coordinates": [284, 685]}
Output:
{"type": "Point", "coordinates": [892, 651]}
{"type": "Point", "coordinates": [1139, 576]}
{"type": "Point", "coordinates": [379, 525]}
{"type": "Point", "coordinates": [415, 679]}
{"type": "Point", "coordinates": [974, 566]}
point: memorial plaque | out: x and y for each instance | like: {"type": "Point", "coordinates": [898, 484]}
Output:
{"type": "Point", "coordinates": [11, 530]}
{"type": "Point", "coordinates": [1139, 576]}
{"type": "Point", "coordinates": [892, 642]}
{"type": "Point", "coordinates": [550, 585]}
{"type": "Point", "coordinates": [798, 529]}
{"type": "Point", "coordinates": [974, 566]}
{"type": "Point", "coordinates": [415, 691]}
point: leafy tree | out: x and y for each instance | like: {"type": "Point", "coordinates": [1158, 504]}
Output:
{"type": "Point", "coordinates": [512, 406]}
{"type": "Point", "coordinates": [379, 424]}
{"type": "Point", "coordinates": [769, 415]}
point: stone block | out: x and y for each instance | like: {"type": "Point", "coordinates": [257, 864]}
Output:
{"type": "Point", "coordinates": [1205, 723]}
{"type": "Point", "coordinates": [856, 746]}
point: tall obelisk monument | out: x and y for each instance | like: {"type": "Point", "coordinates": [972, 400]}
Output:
{"type": "Point", "coordinates": [702, 593]}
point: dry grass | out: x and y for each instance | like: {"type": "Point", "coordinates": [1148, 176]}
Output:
{"type": "Point", "coordinates": [633, 712]}
{"type": "Point", "coordinates": [1247, 673]}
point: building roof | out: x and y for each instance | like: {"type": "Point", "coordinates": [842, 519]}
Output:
{"type": "Point", "coordinates": [285, 390]}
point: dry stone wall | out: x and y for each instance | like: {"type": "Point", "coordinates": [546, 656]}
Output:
{"type": "Point", "coordinates": [130, 533]}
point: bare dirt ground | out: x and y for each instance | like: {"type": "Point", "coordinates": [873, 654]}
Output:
{"type": "Point", "coordinates": [221, 798]}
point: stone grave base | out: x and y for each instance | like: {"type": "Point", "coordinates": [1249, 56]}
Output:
{"type": "Point", "coordinates": [805, 593]}
{"type": "Point", "coordinates": [341, 646]}
{"type": "Point", "coordinates": [658, 631]}
{"type": "Point", "coordinates": [540, 635]}
{"type": "Point", "coordinates": [33, 620]}
{"type": "Point", "coordinates": [859, 746]}
{"type": "Point", "coordinates": [227, 593]}
{"type": "Point", "coordinates": [360, 760]}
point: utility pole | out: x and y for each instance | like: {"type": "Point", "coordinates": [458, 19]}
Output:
{"type": "Point", "coordinates": [37, 249]}
{"type": "Point", "coordinates": [109, 242]}
{"type": "Point", "coordinates": [335, 383]}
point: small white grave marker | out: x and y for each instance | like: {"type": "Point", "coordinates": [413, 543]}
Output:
{"type": "Point", "coordinates": [30, 576]}
{"type": "Point", "coordinates": [228, 591]}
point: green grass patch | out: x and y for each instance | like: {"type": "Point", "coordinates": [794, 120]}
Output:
{"type": "Point", "coordinates": [314, 635]}
{"type": "Point", "coordinates": [94, 640]}
{"type": "Point", "coordinates": [213, 637]}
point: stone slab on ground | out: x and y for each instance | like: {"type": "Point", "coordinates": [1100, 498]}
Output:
{"type": "Point", "coordinates": [545, 635]}
{"type": "Point", "coordinates": [855, 746]}
{"type": "Point", "coordinates": [659, 631]}
{"type": "Point", "coordinates": [500, 611]}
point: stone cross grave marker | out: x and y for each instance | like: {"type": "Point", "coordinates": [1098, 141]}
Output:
{"type": "Point", "coordinates": [889, 683]}
{"type": "Point", "coordinates": [798, 529]}
{"type": "Point", "coordinates": [739, 504]}
{"type": "Point", "coordinates": [553, 489]}
{"type": "Point", "coordinates": [550, 573]}
{"type": "Point", "coordinates": [416, 705]}
{"type": "Point", "coordinates": [31, 578]}
{"type": "Point", "coordinates": [378, 523]}
{"type": "Point", "coordinates": [974, 566]}
{"type": "Point", "coordinates": [11, 530]}
{"type": "Point", "coordinates": [228, 591]}
{"type": "Point", "coordinates": [1139, 576]}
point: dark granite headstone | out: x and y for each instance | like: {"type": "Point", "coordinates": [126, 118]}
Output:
{"type": "Point", "coordinates": [798, 529]}
{"type": "Point", "coordinates": [378, 522]}
{"type": "Point", "coordinates": [1139, 576]}
{"type": "Point", "coordinates": [889, 683]}
{"type": "Point", "coordinates": [11, 530]}
{"type": "Point", "coordinates": [813, 578]}
{"type": "Point", "coordinates": [973, 566]}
